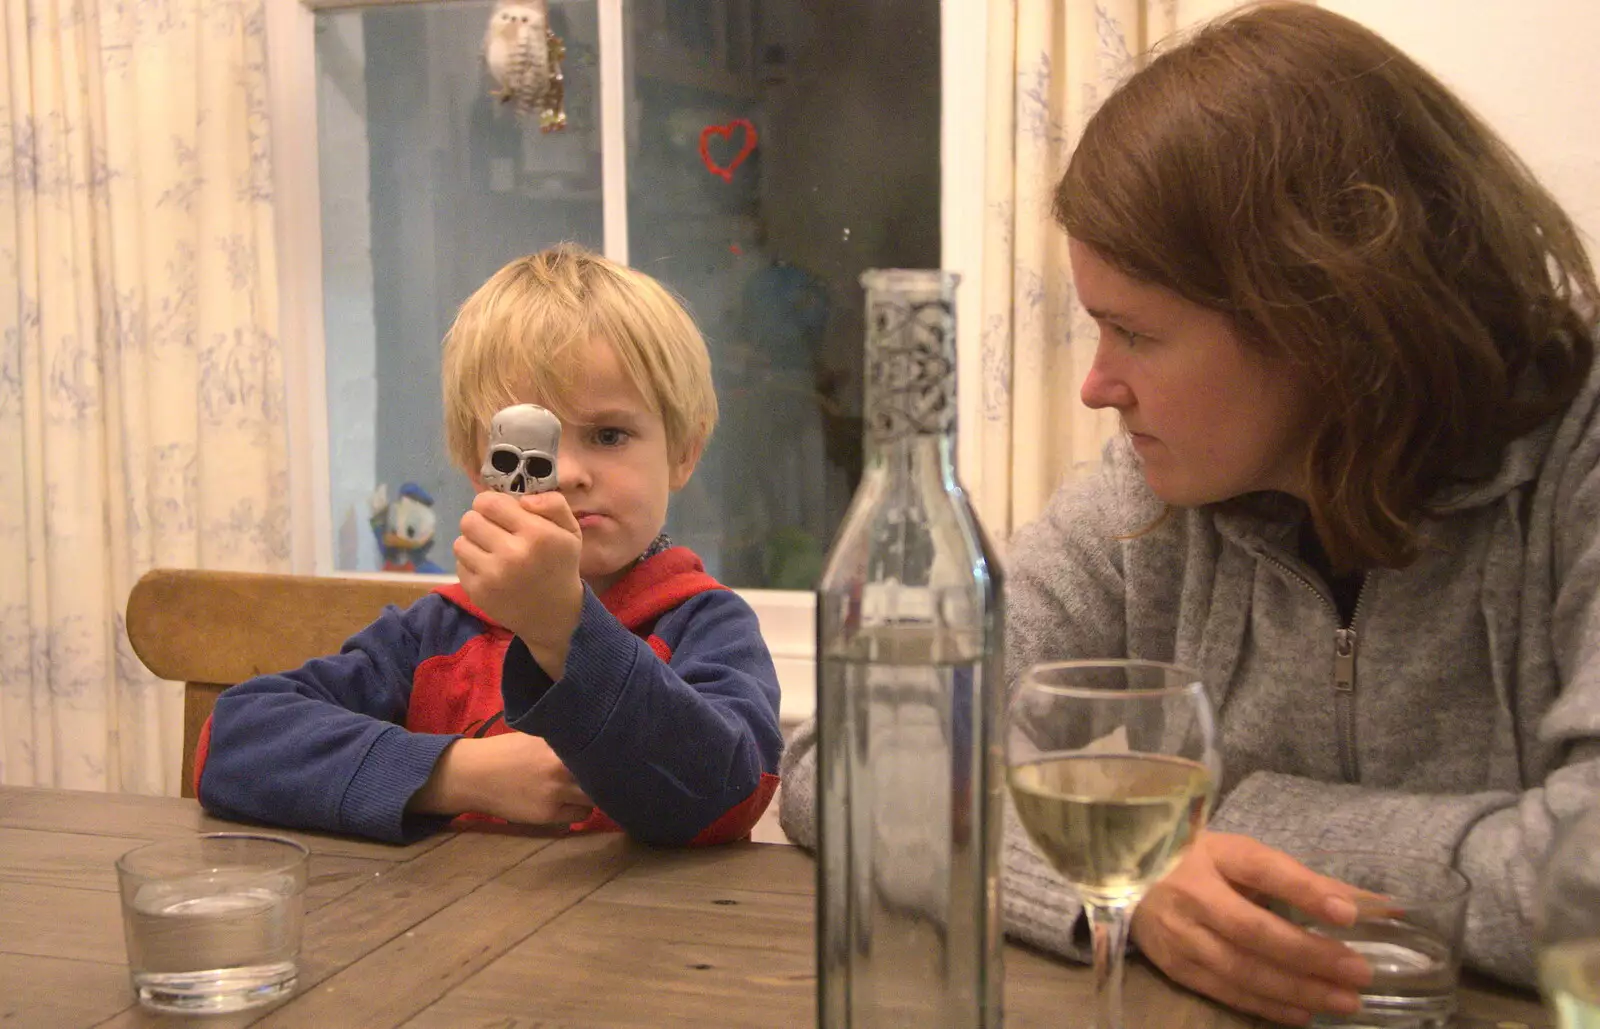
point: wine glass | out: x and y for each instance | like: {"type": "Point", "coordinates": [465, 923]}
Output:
{"type": "Point", "coordinates": [1113, 766]}
{"type": "Point", "coordinates": [1568, 932]}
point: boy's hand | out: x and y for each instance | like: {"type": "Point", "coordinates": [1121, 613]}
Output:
{"type": "Point", "coordinates": [1202, 927]}
{"type": "Point", "coordinates": [517, 558]}
{"type": "Point", "coordinates": [513, 776]}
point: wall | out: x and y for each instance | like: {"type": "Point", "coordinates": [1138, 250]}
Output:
{"type": "Point", "coordinates": [1528, 66]}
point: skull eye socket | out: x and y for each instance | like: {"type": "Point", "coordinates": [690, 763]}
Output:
{"type": "Point", "coordinates": [540, 466]}
{"type": "Point", "coordinates": [504, 461]}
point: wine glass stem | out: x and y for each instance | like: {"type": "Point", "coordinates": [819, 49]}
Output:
{"type": "Point", "coordinates": [1110, 927]}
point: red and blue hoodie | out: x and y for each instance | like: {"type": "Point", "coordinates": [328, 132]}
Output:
{"type": "Point", "coordinates": [667, 714]}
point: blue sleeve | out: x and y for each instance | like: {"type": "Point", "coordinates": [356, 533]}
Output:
{"type": "Point", "coordinates": [324, 746]}
{"type": "Point", "coordinates": [663, 747]}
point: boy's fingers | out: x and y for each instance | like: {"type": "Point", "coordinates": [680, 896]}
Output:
{"type": "Point", "coordinates": [567, 790]}
{"type": "Point", "coordinates": [466, 555]}
{"type": "Point", "coordinates": [483, 533]}
{"type": "Point", "coordinates": [572, 794]}
{"type": "Point", "coordinates": [552, 507]}
{"type": "Point", "coordinates": [509, 512]}
{"type": "Point", "coordinates": [499, 509]}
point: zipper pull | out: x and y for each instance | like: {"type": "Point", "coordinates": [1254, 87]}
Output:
{"type": "Point", "coordinates": [1344, 660]}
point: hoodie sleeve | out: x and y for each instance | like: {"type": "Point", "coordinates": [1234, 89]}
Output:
{"type": "Point", "coordinates": [676, 739]}
{"type": "Point", "coordinates": [324, 746]}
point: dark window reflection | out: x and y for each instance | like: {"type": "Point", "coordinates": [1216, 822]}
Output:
{"type": "Point", "coordinates": [428, 186]}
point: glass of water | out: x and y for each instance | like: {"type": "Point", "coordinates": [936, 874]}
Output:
{"type": "Point", "coordinates": [1409, 922]}
{"type": "Point", "coordinates": [213, 922]}
{"type": "Point", "coordinates": [1569, 924]}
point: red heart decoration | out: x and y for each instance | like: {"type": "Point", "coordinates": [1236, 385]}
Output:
{"type": "Point", "coordinates": [726, 132]}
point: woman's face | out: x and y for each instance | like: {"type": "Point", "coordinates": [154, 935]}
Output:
{"type": "Point", "coordinates": [1209, 418]}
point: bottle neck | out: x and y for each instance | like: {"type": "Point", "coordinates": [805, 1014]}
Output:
{"type": "Point", "coordinates": [911, 375]}
{"type": "Point", "coordinates": [908, 459]}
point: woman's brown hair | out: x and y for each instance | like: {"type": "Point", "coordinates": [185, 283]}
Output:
{"type": "Point", "coordinates": [1295, 171]}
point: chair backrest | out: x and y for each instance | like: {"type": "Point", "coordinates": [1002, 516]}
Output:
{"type": "Point", "coordinates": [209, 630]}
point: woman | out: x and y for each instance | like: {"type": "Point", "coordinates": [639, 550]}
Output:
{"type": "Point", "coordinates": [1350, 340]}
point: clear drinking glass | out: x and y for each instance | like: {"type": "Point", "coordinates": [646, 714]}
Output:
{"type": "Point", "coordinates": [213, 922]}
{"type": "Point", "coordinates": [1568, 935]}
{"type": "Point", "coordinates": [1113, 766]}
{"type": "Point", "coordinates": [1410, 915]}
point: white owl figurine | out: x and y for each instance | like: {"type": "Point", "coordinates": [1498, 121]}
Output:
{"type": "Point", "coordinates": [524, 59]}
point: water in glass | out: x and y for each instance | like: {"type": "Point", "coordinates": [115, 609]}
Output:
{"type": "Point", "coordinates": [213, 923]}
{"type": "Point", "coordinates": [1413, 975]}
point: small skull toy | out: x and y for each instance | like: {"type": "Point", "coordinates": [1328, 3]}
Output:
{"type": "Point", "coordinates": [523, 440]}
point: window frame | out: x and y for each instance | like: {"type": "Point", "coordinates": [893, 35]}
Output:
{"type": "Point", "coordinates": [786, 616]}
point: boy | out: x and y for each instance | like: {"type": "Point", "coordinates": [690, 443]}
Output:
{"type": "Point", "coordinates": [584, 664]}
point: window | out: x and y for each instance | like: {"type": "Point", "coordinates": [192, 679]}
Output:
{"type": "Point", "coordinates": [771, 153]}
{"type": "Point", "coordinates": [402, 185]}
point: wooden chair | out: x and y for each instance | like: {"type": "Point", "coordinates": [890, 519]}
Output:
{"type": "Point", "coordinates": [209, 630]}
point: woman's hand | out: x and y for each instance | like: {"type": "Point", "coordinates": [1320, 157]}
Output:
{"type": "Point", "coordinates": [513, 776]}
{"type": "Point", "coordinates": [1203, 927]}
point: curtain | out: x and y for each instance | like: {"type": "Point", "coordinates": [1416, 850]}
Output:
{"type": "Point", "coordinates": [1050, 64]}
{"type": "Point", "coordinates": [141, 387]}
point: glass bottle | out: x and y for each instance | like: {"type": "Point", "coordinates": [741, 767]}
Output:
{"type": "Point", "coordinates": [910, 698]}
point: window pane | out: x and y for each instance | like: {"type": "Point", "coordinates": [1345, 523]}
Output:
{"type": "Point", "coordinates": [844, 175]}
{"type": "Point", "coordinates": [428, 186]}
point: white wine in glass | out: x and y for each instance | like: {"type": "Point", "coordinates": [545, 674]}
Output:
{"type": "Point", "coordinates": [1569, 924]}
{"type": "Point", "coordinates": [1113, 767]}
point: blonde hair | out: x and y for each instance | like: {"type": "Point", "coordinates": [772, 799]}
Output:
{"type": "Point", "coordinates": [524, 335]}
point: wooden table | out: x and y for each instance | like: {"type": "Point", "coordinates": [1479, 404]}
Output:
{"type": "Point", "coordinates": [498, 931]}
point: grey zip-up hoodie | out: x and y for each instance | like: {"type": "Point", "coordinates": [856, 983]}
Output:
{"type": "Point", "coordinates": [1461, 722]}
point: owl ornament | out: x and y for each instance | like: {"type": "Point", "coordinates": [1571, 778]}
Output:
{"type": "Point", "coordinates": [524, 59]}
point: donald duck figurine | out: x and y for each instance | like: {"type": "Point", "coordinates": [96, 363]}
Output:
{"type": "Point", "coordinates": [404, 529]}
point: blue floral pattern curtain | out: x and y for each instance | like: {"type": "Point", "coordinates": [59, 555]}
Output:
{"type": "Point", "coordinates": [1050, 65]}
{"type": "Point", "coordinates": [142, 418]}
